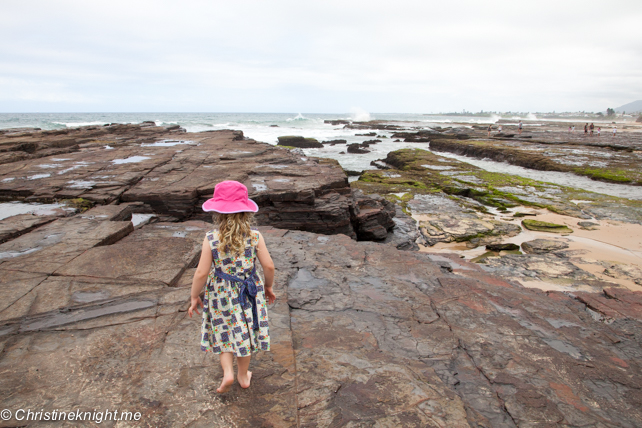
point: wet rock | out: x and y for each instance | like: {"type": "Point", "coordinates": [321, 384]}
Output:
{"type": "Point", "coordinates": [373, 124]}
{"type": "Point", "coordinates": [351, 173]}
{"type": "Point", "coordinates": [335, 142]}
{"type": "Point", "coordinates": [437, 203]}
{"type": "Point", "coordinates": [453, 229]}
{"type": "Point", "coordinates": [615, 305]}
{"type": "Point", "coordinates": [588, 225]}
{"type": "Point", "coordinates": [502, 247]}
{"type": "Point", "coordinates": [372, 216]}
{"type": "Point", "coordinates": [165, 249]}
{"type": "Point", "coordinates": [543, 226]}
{"type": "Point", "coordinates": [17, 225]}
{"type": "Point", "coordinates": [357, 148]}
{"type": "Point", "coordinates": [300, 142]}
{"type": "Point", "coordinates": [425, 136]}
{"type": "Point", "coordinates": [405, 233]}
{"type": "Point", "coordinates": [556, 151]}
{"type": "Point", "coordinates": [520, 214]}
{"type": "Point", "coordinates": [543, 246]}
{"type": "Point", "coordinates": [619, 270]}
{"type": "Point", "coordinates": [543, 267]}
{"type": "Point", "coordinates": [311, 213]}
{"type": "Point", "coordinates": [48, 248]}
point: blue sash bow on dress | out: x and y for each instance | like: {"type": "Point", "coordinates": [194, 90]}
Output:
{"type": "Point", "coordinates": [247, 291]}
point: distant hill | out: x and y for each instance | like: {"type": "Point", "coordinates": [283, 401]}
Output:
{"type": "Point", "coordinates": [634, 107]}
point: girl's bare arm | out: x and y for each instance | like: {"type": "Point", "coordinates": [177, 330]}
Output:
{"type": "Point", "coordinates": [268, 269]}
{"type": "Point", "coordinates": [200, 276]}
{"type": "Point", "coordinates": [266, 262]}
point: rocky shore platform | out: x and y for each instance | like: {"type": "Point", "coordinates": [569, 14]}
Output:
{"type": "Point", "coordinates": [363, 334]}
{"type": "Point", "coordinates": [484, 217]}
{"type": "Point", "coordinates": [93, 305]}
{"type": "Point", "coordinates": [544, 146]}
{"type": "Point", "coordinates": [172, 173]}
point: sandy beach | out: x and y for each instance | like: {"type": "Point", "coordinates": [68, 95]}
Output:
{"type": "Point", "coordinates": [595, 251]}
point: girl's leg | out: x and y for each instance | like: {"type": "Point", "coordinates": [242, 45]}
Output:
{"type": "Point", "coordinates": [244, 375]}
{"type": "Point", "coordinates": [227, 363]}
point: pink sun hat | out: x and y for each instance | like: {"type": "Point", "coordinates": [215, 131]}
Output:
{"type": "Point", "coordinates": [230, 197]}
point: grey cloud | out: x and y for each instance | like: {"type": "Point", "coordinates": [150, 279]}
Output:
{"type": "Point", "coordinates": [407, 56]}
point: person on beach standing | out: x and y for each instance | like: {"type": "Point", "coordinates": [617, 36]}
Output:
{"type": "Point", "coordinates": [573, 129]}
{"type": "Point", "coordinates": [499, 129]}
{"type": "Point", "coordinates": [599, 129]}
{"type": "Point", "coordinates": [519, 127]}
{"type": "Point", "coordinates": [235, 318]}
{"type": "Point", "coordinates": [614, 130]}
{"type": "Point", "coordinates": [490, 128]}
{"type": "Point", "coordinates": [586, 129]}
{"type": "Point", "coordinates": [591, 128]}
{"type": "Point", "coordinates": [569, 129]}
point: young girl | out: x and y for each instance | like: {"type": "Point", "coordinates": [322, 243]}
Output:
{"type": "Point", "coordinates": [235, 319]}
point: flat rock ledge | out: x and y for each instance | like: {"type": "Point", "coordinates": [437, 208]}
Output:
{"type": "Point", "coordinates": [173, 173]}
{"type": "Point", "coordinates": [93, 317]}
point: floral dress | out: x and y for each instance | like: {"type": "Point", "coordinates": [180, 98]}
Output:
{"type": "Point", "coordinates": [228, 324]}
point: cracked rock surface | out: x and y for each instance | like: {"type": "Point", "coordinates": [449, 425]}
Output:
{"type": "Point", "coordinates": [173, 173]}
{"type": "Point", "coordinates": [363, 334]}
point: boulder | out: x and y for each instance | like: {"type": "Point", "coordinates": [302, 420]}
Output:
{"type": "Point", "coordinates": [300, 142]}
{"type": "Point", "coordinates": [357, 148]}
{"type": "Point", "coordinates": [542, 226]}
{"type": "Point", "coordinates": [502, 247]}
{"type": "Point", "coordinates": [588, 225]}
{"type": "Point", "coordinates": [372, 216]}
{"type": "Point", "coordinates": [542, 246]}
{"type": "Point", "coordinates": [335, 142]}
{"type": "Point", "coordinates": [405, 233]}
{"type": "Point", "coordinates": [472, 230]}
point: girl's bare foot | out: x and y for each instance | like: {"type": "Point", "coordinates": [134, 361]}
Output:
{"type": "Point", "coordinates": [226, 383]}
{"type": "Point", "coordinates": [245, 383]}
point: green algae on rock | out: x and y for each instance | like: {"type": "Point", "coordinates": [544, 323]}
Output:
{"type": "Point", "coordinates": [595, 161]}
{"type": "Point", "coordinates": [420, 172]}
{"type": "Point", "coordinates": [79, 203]}
{"type": "Point", "coordinates": [543, 226]}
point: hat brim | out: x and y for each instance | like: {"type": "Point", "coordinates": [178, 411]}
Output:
{"type": "Point", "coordinates": [230, 207]}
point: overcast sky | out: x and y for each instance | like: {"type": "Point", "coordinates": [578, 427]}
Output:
{"type": "Point", "coordinates": [318, 56]}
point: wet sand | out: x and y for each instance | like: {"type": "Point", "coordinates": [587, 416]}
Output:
{"type": "Point", "coordinates": [612, 244]}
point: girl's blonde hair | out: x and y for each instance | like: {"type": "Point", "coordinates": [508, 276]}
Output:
{"type": "Point", "coordinates": [233, 231]}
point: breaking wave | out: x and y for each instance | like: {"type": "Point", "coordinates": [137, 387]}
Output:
{"type": "Point", "coordinates": [359, 115]}
{"type": "Point", "coordinates": [298, 117]}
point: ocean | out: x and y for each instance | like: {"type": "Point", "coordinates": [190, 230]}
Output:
{"type": "Point", "coordinates": [267, 127]}
{"type": "Point", "coordinates": [264, 127]}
